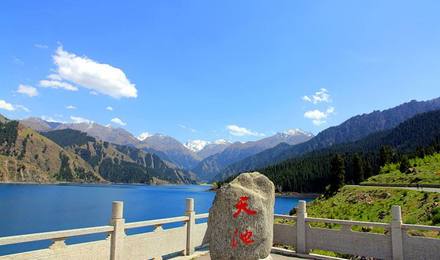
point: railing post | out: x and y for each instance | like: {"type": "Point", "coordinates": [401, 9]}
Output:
{"type": "Point", "coordinates": [301, 215]}
{"type": "Point", "coordinates": [118, 235]}
{"type": "Point", "coordinates": [396, 233]}
{"type": "Point", "coordinates": [189, 212]}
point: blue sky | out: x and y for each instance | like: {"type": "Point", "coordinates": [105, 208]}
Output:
{"type": "Point", "coordinates": [236, 70]}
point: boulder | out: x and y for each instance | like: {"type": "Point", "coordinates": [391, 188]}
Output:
{"type": "Point", "coordinates": [240, 224]}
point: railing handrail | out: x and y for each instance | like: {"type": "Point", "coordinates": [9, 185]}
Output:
{"type": "Point", "coordinates": [347, 222]}
{"type": "Point", "coordinates": [54, 235]}
{"type": "Point", "coordinates": [155, 222]}
{"type": "Point", "coordinates": [284, 216]}
{"type": "Point", "coordinates": [421, 227]}
{"type": "Point", "coordinates": [102, 229]}
{"type": "Point", "coordinates": [200, 216]}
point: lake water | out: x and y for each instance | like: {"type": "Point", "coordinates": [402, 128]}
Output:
{"type": "Point", "coordinates": [28, 208]}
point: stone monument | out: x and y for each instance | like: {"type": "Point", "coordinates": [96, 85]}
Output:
{"type": "Point", "coordinates": [240, 224]}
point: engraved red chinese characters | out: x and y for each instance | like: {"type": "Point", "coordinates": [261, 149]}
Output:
{"type": "Point", "coordinates": [245, 237]}
{"type": "Point", "coordinates": [242, 205]}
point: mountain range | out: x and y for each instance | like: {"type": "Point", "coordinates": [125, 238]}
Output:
{"type": "Point", "coordinates": [312, 172]}
{"type": "Point", "coordinates": [206, 159]}
{"type": "Point", "coordinates": [68, 155]}
{"type": "Point", "coordinates": [351, 130]}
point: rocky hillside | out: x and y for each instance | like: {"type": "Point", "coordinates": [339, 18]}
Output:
{"type": "Point", "coordinates": [167, 148]}
{"type": "Point", "coordinates": [170, 149]}
{"type": "Point", "coordinates": [118, 163]}
{"type": "Point", "coordinates": [103, 133]}
{"type": "Point", "coordinates": [27, 156]}
{"type": "Point", "coordinates": [72, 156]}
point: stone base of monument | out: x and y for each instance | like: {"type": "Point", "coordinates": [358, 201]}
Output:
{"type": "Point", "coordinates": [269, 257]}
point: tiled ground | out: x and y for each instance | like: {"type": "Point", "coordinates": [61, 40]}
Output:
{"type": "Point", "coordinates": [274, 257]}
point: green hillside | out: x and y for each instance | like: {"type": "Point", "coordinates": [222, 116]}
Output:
{"type": "Point", "coordinates": [422, 171]}
{"type": "Point", "coordinates": [374, 204]}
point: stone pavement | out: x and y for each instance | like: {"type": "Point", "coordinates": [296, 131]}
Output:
{"type": "Point", "coordinates": [274, 257]}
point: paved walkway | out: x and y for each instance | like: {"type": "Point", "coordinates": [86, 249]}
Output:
{"type": "Point", "coordinates": [401, 187]}
{"type": "Point", "coordinates": [274, 257]}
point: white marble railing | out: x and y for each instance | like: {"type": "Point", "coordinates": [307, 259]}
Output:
{"type": "Point", "coordinates": [396, 243]}
{"type": "Point", "coordinates": [118, 245]}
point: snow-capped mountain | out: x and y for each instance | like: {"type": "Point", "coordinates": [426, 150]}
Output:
{"type": "Point", "coordinates": [237, 151]}
{"type": "Point", "coordinates": [196, 145]}
{"type": "Point", "coordinates": [170, 149]}
{"type": "Point", "coordinates": [207, 148]}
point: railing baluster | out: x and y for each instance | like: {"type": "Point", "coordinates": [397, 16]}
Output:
{"type": "Point", "coordinates": [58, 243]}
{"type": "Point", "coordinates": [396, 233]}
{"type": "Point", "coordinates": [118, 235]}
{"type": "Point", "coordinates": [301, 211]}
{"type": "Point", "coordinates": [189, 212]}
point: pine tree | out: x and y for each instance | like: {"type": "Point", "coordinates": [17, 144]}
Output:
{"type": "Point", "coordinates": [368, 170]}
{"type": "Point", "coordinates": [385, 155]}
{"type": "Point", "coordinates": [358, 171]}
{"type": "Point", "coordinates": [404, 164]}
{"type": "Point", "coordinates": [337, 171]}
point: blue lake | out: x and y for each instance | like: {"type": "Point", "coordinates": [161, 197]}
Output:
{"type": "Point", "coordinates": [28, 208]}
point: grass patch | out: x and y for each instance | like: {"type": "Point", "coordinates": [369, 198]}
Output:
{"type": "Point", "coordinates": [423, 171]}
{"type": "Point", "coordinates": [374, 204]}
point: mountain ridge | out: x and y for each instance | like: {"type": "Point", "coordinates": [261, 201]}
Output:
{"type": "Point", "coordinates": [212, 165]}
{"type": "Point", "coordinates": [350, 130]}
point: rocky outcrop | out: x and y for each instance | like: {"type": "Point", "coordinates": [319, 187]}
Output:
{"type": "Point", "coordinates": [240, 224]}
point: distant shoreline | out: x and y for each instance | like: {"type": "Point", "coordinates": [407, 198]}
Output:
{"type": "Point", "coordinates": [97, 183]}
{"type": "Point", "coordinates": [297, 195]}
{"type": "Point", "coordinates": [277, 194]}
{"type": "Point", "coordinates": [290, 194]}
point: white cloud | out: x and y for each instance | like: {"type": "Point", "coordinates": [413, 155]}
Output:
{"type": "Point", "coordinates": [49, 83]}
{"type": "Point", "coordinates": [297, 131]}
{"type": "Point", "coordinates": [187, 128]}
{"type": "Point", "coordinates": [51, 119]}
{"type": "Point", "coordinates": [118, 121]}
{"type": "Point", "coordinates": [40, 46]}
{"type": "Point", "coordinates": [54, 77]}
{"type": "Point", "coordinates": [241, 131]}
{"type": "Point", "coordinates": [319, 117]}
{"type": "Point", "coordinates": [70, 107]}
{"type": "Point", "coordinates": [79, 120]}
{"type": "Point", "coordinates": [109, 108]}
{"type": "Point", "coordinates": [321, 95]}
{"type": "Point", "coordinates": [94, 93]}
{"type": "Point", "coordinates": [6, 106]}
{"type": "Point", "coordinates": [27, 90]}
{"type": "Point", "coordinates": [221, 141]}
{"type": "Point", "coordinates": [144, 136]}
{"type": "Point", "coordinates": [21, 107]}
{"type": "Point", "coordinates": [98, 77]}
